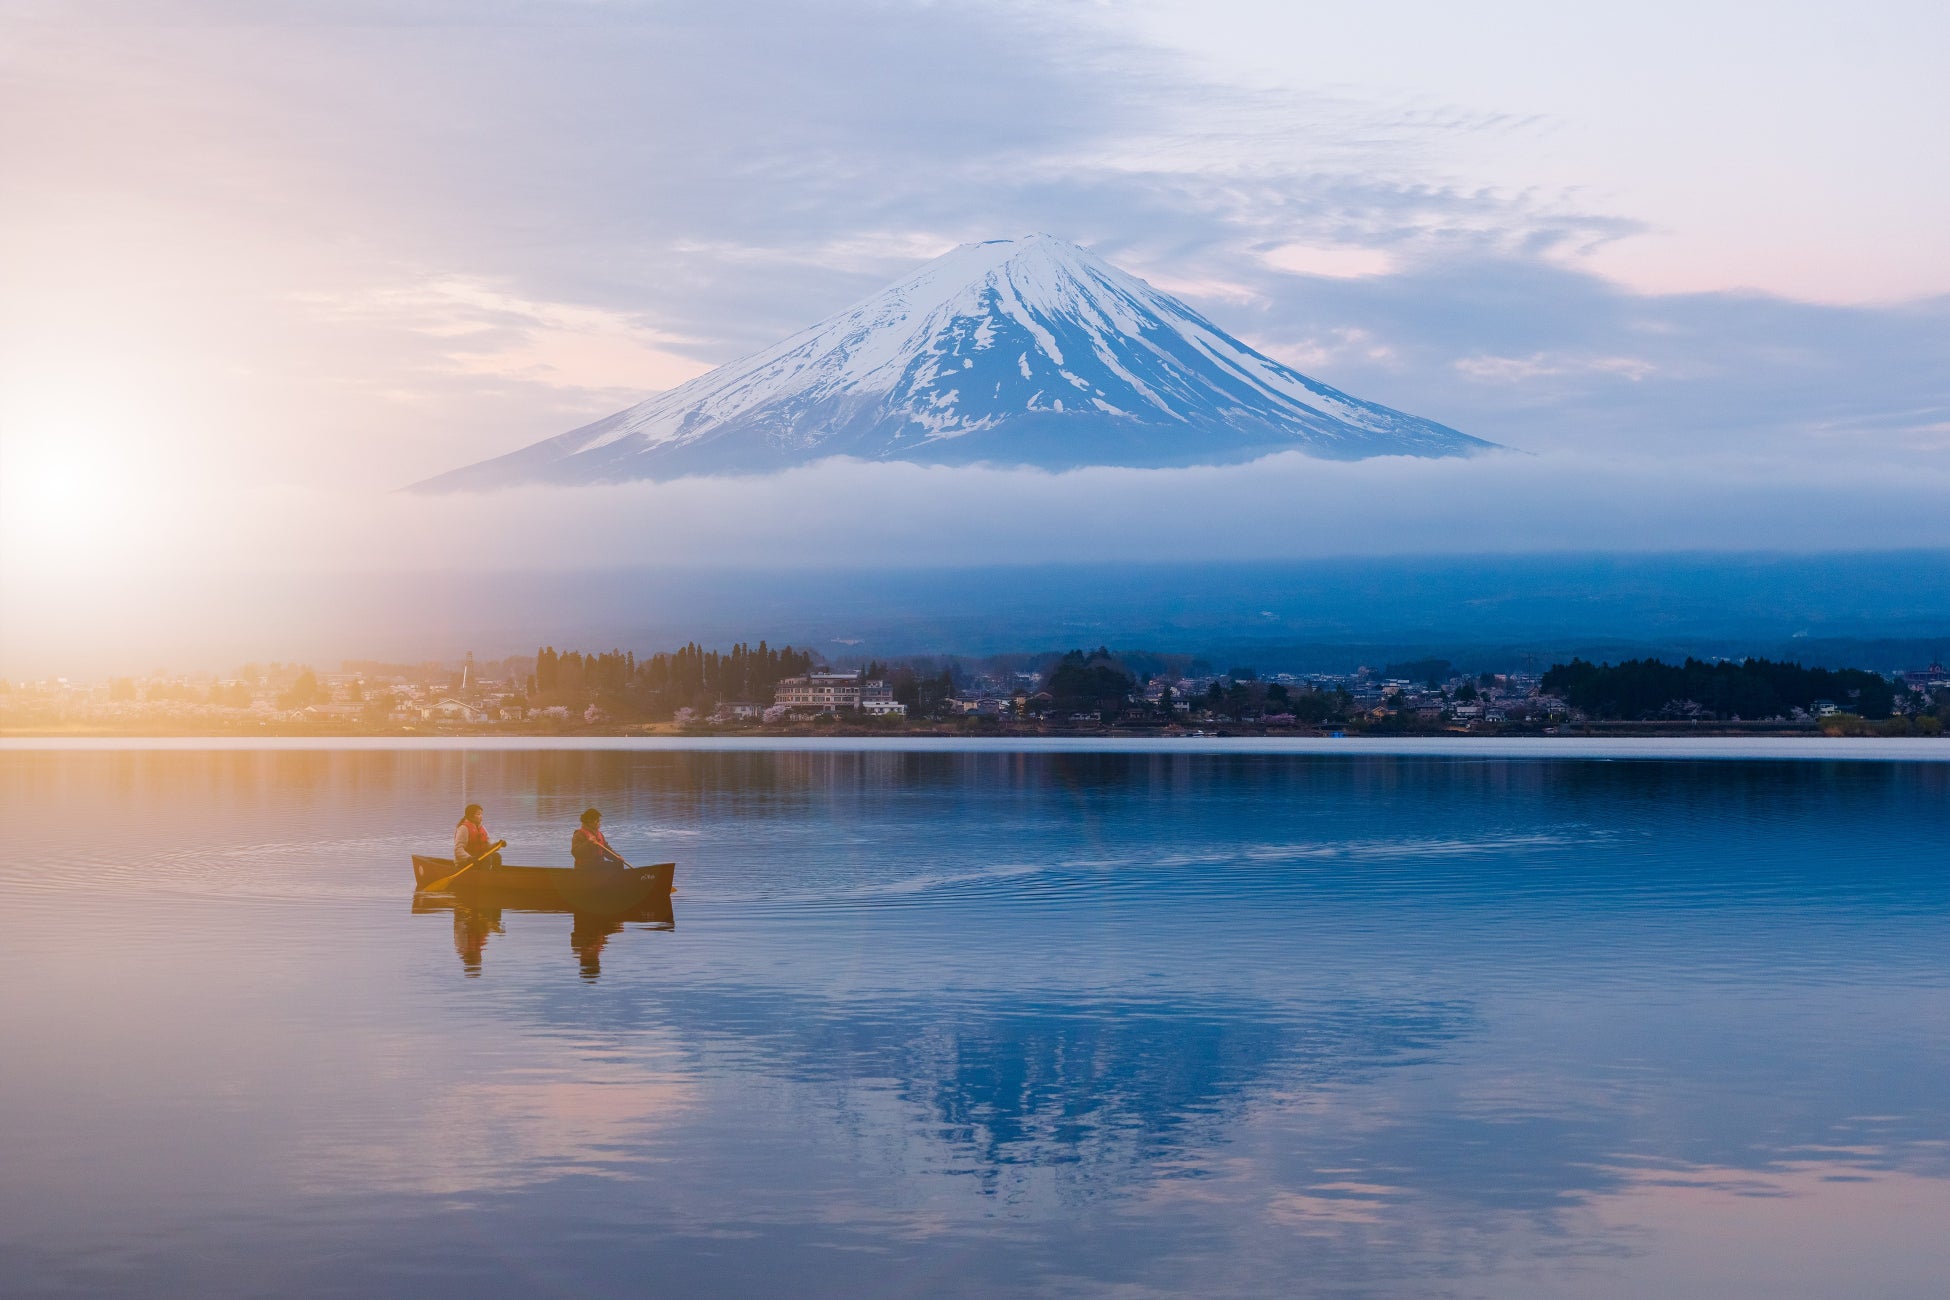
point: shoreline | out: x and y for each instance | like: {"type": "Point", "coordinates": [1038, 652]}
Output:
{"type": "Point", "coordinates": [1801, 748]}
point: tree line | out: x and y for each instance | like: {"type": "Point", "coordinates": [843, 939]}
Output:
{"type": "Point", "coordinates": [660, 684]}
{"type": "Point", "coordinates": [1101, 683]}
{"type": "Point", "coordinates": [1750, 689]}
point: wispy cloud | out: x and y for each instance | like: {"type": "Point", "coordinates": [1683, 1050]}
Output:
{"type": "Point", "coordinates": [377, 241]}
{"type": "Point", "coordinates": [481, 329]}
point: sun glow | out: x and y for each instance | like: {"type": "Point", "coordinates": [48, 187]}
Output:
{"type": "Point", "coordinates": [54, 495]}
{"type": "Point", "coordinates": [69, 479]}
{"type": "Point", "coordinates": [80, 471]}
{"type": "Point", "coordinates": [57, 507]}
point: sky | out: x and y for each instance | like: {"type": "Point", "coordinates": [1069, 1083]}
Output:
{"type": "Point", "coordinates": [266, 263]}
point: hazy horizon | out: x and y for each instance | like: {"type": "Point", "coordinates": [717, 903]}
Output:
{"type": "Point", "coordinates": [1882, 610]}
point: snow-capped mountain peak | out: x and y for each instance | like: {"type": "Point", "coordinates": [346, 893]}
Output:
{"type": "Point", "coordinates": [1026, 351]}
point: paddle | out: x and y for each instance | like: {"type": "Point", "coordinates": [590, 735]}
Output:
{"type": "Point", "coordinates": [444, 881]}
{"type": "Point", "coordinates": [617, 856]}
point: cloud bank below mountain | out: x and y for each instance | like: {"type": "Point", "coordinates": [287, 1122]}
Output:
{"type": "Point", "coordinates": [851, 513]}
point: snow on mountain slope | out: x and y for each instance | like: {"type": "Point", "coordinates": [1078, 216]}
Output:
{"type": "Point", "coordinates": [1015, 352]}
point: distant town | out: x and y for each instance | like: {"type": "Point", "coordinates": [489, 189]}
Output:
{"type": "Point", "coordinates": [763, 690]}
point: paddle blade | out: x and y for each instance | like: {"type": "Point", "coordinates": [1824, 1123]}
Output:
{"type": "Point", "coordinates": [436, 886]}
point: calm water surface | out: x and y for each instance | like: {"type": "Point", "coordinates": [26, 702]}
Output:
{"type": "Point", "coordinates": [982, 1024]}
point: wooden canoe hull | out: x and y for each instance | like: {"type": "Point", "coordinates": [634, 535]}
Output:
{"type": "Point", "coordinates": [558, 886]}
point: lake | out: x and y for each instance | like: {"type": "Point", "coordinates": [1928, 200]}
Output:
{"type": "Point", "coordinates": [996, 1021]}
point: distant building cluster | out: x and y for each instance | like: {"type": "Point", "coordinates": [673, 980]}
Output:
{"type": "Point", "coordinates": [277, 695]}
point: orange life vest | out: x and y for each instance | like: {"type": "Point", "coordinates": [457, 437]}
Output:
{"type": "Point", "coordinates": [590, 849]}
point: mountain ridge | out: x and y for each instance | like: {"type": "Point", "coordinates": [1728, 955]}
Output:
{"type": "Point", "coordinates": [1028, 351]}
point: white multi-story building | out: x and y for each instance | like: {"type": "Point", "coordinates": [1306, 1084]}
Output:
{"type": "Point", "coordinates": [831, 692]}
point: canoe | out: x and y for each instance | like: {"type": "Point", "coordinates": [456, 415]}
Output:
{"type": "Point", "coordinates": [564, 886]}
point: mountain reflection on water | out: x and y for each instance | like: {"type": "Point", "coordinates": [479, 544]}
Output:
{"type": "Point", "coordinates": [979, 1024]}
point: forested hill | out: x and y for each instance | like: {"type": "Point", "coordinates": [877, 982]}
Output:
{"type": "Point", "coordinates": [1750, 689]}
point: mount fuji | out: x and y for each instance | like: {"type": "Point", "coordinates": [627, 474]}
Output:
{"type": "Point", "coordinates": [1026, 352]}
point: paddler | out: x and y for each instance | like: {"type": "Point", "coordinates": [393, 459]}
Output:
{"type": "Point", "coordinates": [590, 850]}
{"type": "Point", "coordinates": [471, 840]}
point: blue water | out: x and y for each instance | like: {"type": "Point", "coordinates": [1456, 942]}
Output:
{"type": "Point", "coordinates": [979, 1024]}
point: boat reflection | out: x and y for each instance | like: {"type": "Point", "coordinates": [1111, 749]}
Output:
{"type": "Point", "coordinates": [475, 919]}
